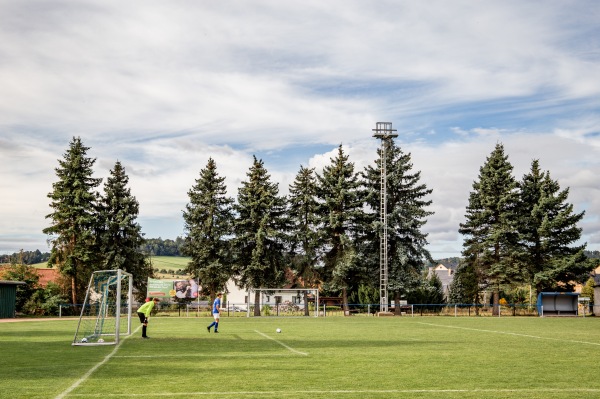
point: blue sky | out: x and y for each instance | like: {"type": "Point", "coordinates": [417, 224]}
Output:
{"type": "Point", "coordinates": [161, 86]}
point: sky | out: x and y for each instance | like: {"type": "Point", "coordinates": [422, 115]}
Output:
{"type": "Point", "coordinates": [161, 86]}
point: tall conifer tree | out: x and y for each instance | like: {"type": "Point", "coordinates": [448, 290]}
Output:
{"type": "Point", "coordinates": [209, 224]}
{"type": "Point", "coordinates": [260, 232]}
{"type": "Point", "coordinates": [548, 227]}
{"type": "Point", "coordinates": [304, 224]}
{"type": "Point", "coordinates": [121, 235]}
{"type": "Point", "coordinates": [491, 242]}
{"type": "Point", "coordinates": [74, 219]}
{"type": "Point", "coordinates": [340, 212]}
{"type": "Point", "coordinates": [464, 288]}
{"type": "Point", "coordinates": [406, 215]}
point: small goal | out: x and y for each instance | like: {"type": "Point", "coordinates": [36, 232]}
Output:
{"type": "Point", "coordinates": [106, 312]}
{"type": "Point", "coordinates": [284, 302]}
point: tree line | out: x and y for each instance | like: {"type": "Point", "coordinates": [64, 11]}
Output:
{"type": "Point", "coordinates": [328, 229]}
{"type": "Point", "coordinates": [91, 230]}
{"type": "Point", "coordinates": [518, 232]}
{"type": "Point", "coordinates": [25, 257]}
{"type": "Point", "coordinates": [325, 233]}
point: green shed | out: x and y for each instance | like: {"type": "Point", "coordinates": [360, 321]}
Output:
{"type": "Point", "coordinates": [8, 296]}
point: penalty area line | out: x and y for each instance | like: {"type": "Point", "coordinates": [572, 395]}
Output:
{"type": "Point", "coordinates": [572, 341]}
{"type": "Point", "coordinates": [210, 355]}
{"type": "Point", "coordinates": [91, 371]}
{"type": "Point", "coordinates": [282, 344]}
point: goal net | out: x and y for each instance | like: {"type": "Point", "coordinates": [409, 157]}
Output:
{"type": "Point", "coordinates": [283, 302]}
{"type": "Point", "coordinates": [106, 312]}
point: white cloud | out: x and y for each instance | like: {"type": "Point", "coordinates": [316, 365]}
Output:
{"type": "Point", "coordinates": [163, 86]}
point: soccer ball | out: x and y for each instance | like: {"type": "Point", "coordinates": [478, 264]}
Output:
{"type": "Point", "coordinates": [100, 340]}
{"type": "Point", "coordinates": [278, 330]}
{"type": "Point", "coordinates": [83, 339]}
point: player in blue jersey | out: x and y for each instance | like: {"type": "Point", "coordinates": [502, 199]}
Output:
{"type": "Point", "coordinates": [216, 312]}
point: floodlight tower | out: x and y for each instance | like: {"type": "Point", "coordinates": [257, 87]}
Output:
{"type": "Point", "coordinates": [384, 132]}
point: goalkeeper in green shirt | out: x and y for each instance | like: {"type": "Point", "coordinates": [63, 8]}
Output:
{"type": "Point", "coordinates": [144, 313]}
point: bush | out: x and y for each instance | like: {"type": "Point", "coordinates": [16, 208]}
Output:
{"type": "Point", "coordinates": [45, 301]}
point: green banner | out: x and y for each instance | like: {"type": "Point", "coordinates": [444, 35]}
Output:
{"type": "Point", "coordinates": [172, 288]}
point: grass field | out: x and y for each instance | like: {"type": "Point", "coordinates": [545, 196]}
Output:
{"type": "Point", "coordinates": [170, 262]}
{"type": "Point", "coordinates": [158, 262]}
{"type": "Point", "coordinates": [335, 357]}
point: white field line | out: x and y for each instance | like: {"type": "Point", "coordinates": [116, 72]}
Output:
{"type": "Point", "coordinates": [282, 344]}
{"type": "Point", "coordinates": [285, 393]}
{"type": "Point", "coordinates": [91, 371]}
{"type": "Point", "coordinates": [211, 355]}
{"type": "Point", "coordinates": [514, 334]}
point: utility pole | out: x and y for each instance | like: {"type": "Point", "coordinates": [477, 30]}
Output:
{"type": "Point", "coordinates": [384, 132]}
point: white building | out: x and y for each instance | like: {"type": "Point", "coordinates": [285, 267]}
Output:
{"type": "Point", "coordinates": [236, 296]}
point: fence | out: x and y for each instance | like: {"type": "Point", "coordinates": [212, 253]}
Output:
{"type": "Point", "coordinates": [289, 310]}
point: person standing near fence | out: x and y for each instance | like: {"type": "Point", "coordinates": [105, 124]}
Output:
{"type": "Point", "coordinates": [216, 312]}
{"type": "Point", "coordinates": [144, 314]}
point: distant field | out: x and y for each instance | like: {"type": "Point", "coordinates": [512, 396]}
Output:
{"type": "Point", "coordinates": [171, 263]}
{"type": "Point", "coordinates": [317, 358]}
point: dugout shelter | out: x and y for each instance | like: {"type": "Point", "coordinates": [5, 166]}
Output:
{"type": "Point", "coordinates": [8, 297]}
{"type": "Point", "coordinates": [557, 303]}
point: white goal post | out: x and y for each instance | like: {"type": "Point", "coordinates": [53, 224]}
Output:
{"type": "Point", "coordinates": [283, 301]}
{"type": "Point", "coordinates": [106, 311]}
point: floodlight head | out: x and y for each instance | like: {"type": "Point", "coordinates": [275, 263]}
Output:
{"type": "Point", "coordinates": [383, 130]}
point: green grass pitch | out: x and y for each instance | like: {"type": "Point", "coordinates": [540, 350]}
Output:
{"type": "Point", "coordinates": [334, 358]}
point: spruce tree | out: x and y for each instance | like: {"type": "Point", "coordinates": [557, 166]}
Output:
{"type": "Point", "coordinates": [208, 221]}
{"type": "Point", "coordinates": [429, 293]}
{"type": "Point", "coordinates": [304, 224]}
{"type": "Point", "coordinates": [74, 218]}
{"type": "Point", "coordinates": [464, 288]}
{"type": "Point", "coordinates": [121, 236]}
{"type": "Point", "coordinates": [340, 211]}
{"type": "Point", "coordinates": [260, 233]}
{"type": "Point", "coordinates": [548, 228]}
{"type": "Point", "coordinates": [406, 216]}
{"type": "Point", "coordinates": [490, 229]}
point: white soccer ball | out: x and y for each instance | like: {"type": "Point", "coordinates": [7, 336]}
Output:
{"type": "Point", "coordinates": [278, 330]}
{"type": "Point", "coordinates": [100, 340]}
{"type": "Point", "coordinates": [83, 339]}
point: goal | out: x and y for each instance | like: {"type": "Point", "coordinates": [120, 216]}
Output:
{"type": "Point", "coordinates": [106, 311]}
{"type": "Point", "coordinates": [284, 301]}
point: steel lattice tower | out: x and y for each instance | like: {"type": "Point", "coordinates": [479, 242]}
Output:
{"type": "Point", "coordinates": [384, 132]}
